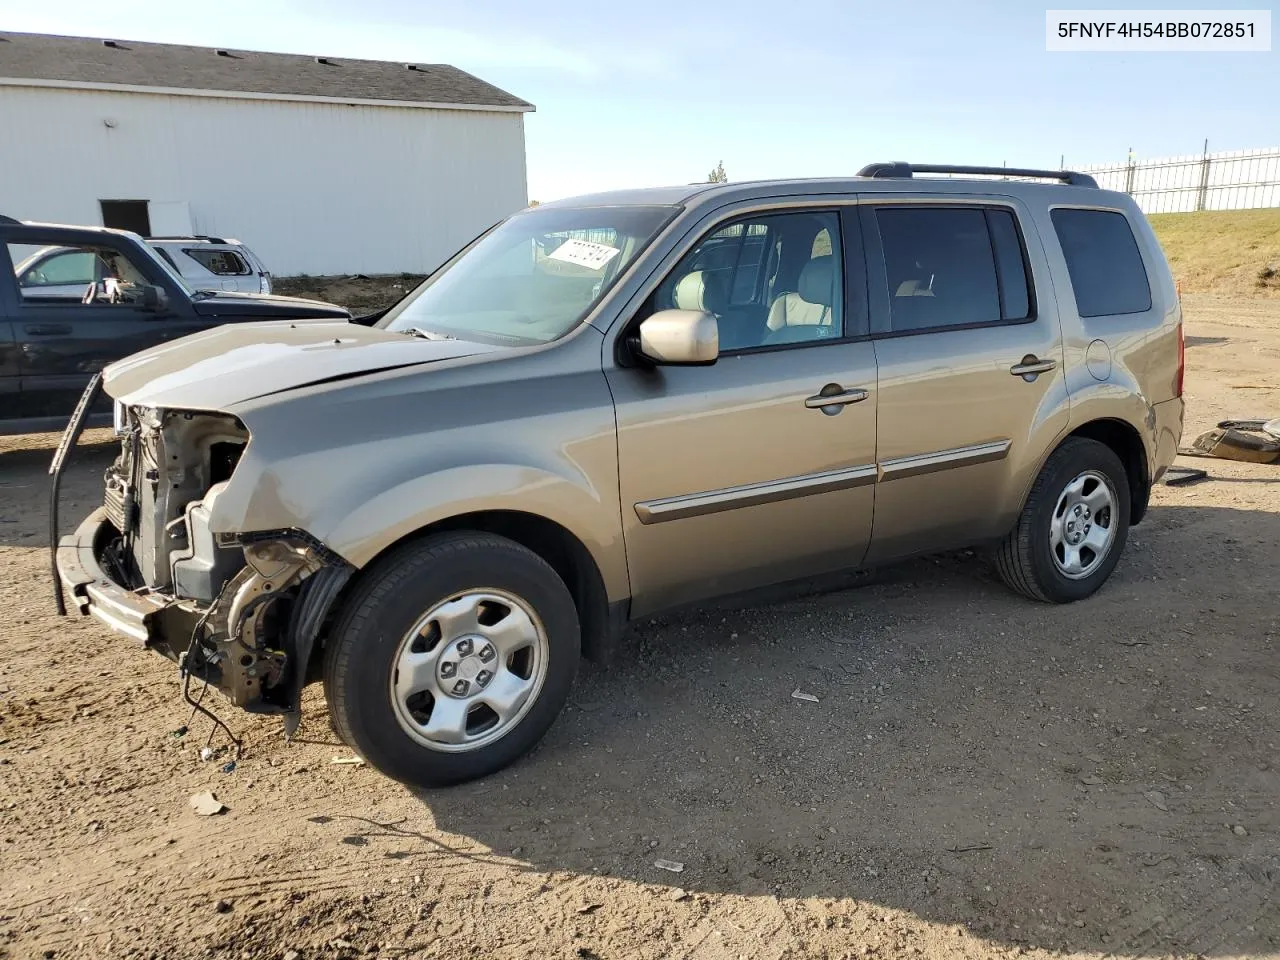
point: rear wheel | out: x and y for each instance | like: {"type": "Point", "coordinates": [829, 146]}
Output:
{"type": "Point", "coordinates": [1073, 527]}
{"type": "Point", "coordinates": [453, 658]}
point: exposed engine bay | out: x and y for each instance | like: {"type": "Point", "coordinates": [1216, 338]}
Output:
{"type": "Point", "coordinates": [241, 610]}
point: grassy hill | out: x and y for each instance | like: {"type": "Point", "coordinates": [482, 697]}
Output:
{"type": "Point", "coordinates": [1227, 252]}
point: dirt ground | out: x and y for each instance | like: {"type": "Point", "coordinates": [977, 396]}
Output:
{"type": "Point", "coordinates": [359, 294]}
{"type": "Point", "coordinates": [980, 776]}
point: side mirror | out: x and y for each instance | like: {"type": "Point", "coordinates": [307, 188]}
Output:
{"type": "Point", "coordinates": [683, 337]}
{"type": "Point", "coordinates": [153, 299]}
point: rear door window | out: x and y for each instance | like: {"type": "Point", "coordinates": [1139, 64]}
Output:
{"type": "Point", "coordinates": [65, 276]}
{"type": "Point", "coordinates": [953, 267]}
{"type": "Point", "coordinates": [68, 267]}
{"type": "Point", "coordinates": [1107, 274]}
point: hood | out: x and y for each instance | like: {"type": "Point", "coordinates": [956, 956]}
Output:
{"type": "Point", "coordinates": [230, 364]}
{"type": "Point", "coordinates": [265, 306]}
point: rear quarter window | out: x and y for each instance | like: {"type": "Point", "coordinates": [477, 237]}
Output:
{"type": "Point", "coordinates": [223, 263]}
{"type": "Point", "coordinates": [1107, 274]}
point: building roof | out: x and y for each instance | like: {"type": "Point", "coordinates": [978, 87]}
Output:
{"type": "Point", "coordinates": [44, 59]}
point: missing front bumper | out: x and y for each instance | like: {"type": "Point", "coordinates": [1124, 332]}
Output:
{"type": "Point", "coordinates": [161, 623]}
{"type": "Point", "coordinates": [261, 671]}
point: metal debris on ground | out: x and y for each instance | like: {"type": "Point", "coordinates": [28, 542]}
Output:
{"type": "Point", "coordinates": [1253, 441]}
{"type": "Point", "coordinates": [1184, 476]}
{"type": "Point", "coordinates": [206, 804]}
{"type": "Point", "coordinates": [179, 733]}
{"type": "Point", "coordinates": [968, 847]}
{"type": "Point", "coordinates": [589, 907]}
{"type": "Point", "coordinates": [1156, 799]}
{"type": "Point", "coordinates": [351, 761]}
{"type": "Point", "coordinates": [229, 767]}
{"type": "Point", "coordinates": [674, 866]}
{"type": "Point", "coordinates": [798, 694]}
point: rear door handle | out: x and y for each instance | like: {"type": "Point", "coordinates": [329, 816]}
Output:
{"type": "Point", "coordinates": [837, 398]}
{"type": "Point", "coordinates": [48, 329]}
{"type": "Point", "coordinates": [1031, 365]}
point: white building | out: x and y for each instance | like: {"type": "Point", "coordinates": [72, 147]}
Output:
{"type": "Point", "coordinates": [322, 165]}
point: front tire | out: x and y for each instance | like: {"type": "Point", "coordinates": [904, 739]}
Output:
{"type": "Point", "coordinates": [452, 659]}
{"type": "Point", "coordinates": [1073, 527]}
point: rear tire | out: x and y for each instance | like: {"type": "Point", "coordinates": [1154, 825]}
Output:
{"type": "Point", "coordinates": [452, 659]}
{"type": "Point", "coordinates": [1073, 527]}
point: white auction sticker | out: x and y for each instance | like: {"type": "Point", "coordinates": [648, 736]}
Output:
{"type": "Point", "coordinates": [584, 253]}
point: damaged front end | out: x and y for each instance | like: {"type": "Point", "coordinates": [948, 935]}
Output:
{"type": "Point", "coordinates": [240, 610]}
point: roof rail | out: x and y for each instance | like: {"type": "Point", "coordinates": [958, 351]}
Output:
{"type": "Point", "coordinates": [190, 236]}
{"type": "Point", "coordinates": [901, 170]}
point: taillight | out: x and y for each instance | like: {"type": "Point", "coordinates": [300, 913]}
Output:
{"type": "Point", "coordinates": [1182, 361]}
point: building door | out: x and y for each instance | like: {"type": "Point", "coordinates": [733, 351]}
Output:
{"type": "Point", "coordinates": [126, 215]}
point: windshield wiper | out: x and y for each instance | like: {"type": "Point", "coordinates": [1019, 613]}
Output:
{"type": "Point", "coordinates": [427, 334]}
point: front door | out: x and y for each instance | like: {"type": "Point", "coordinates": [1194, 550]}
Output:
{"type": "Point", "coordinates": [67, 331]}
{"type": "Point", "coordinates": [970, 366]}
{"type": "Point", "coordinates": [761, 467]}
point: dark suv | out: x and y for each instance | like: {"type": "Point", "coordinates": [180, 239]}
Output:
{"type": "Point", "coordinates": [54, 337]}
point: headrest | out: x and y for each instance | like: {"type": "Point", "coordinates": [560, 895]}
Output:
{"type": "Point", "coordinates": [701, 291]}
{"type": "Point", "coordinates": [816, 281]}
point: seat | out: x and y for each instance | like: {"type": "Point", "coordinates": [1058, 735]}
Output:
{"type": "Point", "coordinates": [700, 290]}
{"type": "Point", "coordinates": [806, 313]}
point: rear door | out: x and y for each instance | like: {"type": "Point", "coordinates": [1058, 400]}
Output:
{"type": "Point", "coordinates": [64, 341]}
{"type": "Point", "coordinates": [968, 344]}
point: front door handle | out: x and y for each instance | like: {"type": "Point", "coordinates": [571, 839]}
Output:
{"type": "Point", "coordinates": [1031, 365]}
{"type": "Point", "coordinates": [835, 397]}
{"type": "Point", "coordinates": [48, 329]}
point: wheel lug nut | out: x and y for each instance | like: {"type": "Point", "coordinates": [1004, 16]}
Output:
{"type": "Point", "coordinates": [487, 653]}
{"type": "Point", "coordinates": [448, 669]}
{"type": "Point", "coordinates": [465, 647]}
{"type": "Point", "coordinates": [483, 678]}
{"type": "Point", "coordinates": [461, 687]}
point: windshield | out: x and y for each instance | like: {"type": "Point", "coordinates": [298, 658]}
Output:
{"type": "Point", "coordinates": [533, 277]}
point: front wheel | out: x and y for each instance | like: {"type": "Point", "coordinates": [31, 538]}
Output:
{"type": "Point", "coordinates": [1073, 526]}
{"type": "Point", "coordinates": [452, 659]}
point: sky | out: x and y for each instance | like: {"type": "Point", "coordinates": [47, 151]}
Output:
{"type": "Point", "coordinates": [631, 94]}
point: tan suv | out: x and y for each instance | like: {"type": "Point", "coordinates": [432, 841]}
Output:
{"type": "Point", "coordinates": [608, 406]}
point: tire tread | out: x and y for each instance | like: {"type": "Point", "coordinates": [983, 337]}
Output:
{"type": "Point", "coordinates": [385, 578]}
{"type": "Point", "coordinates": [1014, 556]}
